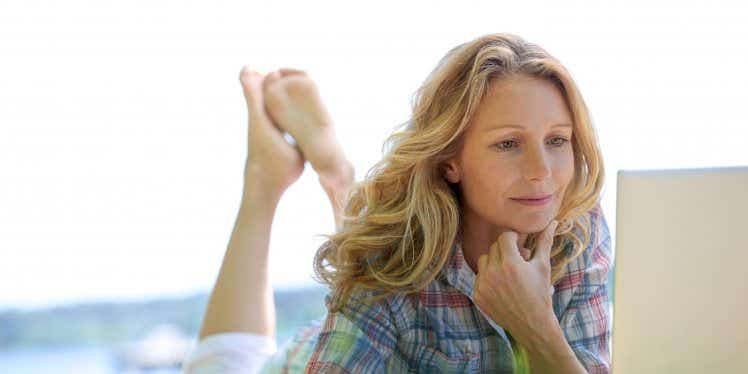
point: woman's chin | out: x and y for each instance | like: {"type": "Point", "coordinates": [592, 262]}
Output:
{"type": "Point", "coordinates": [534, 226]}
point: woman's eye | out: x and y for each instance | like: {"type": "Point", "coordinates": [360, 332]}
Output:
{"type": "Point", "coordinates": [509, 144]}
{"type": "Point", "coordinates": [559, 142]}
{"type": "Point", "coordinates": [504, 145]}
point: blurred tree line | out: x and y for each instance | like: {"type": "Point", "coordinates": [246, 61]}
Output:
{"type": "Point", "coordinates": [108, 323]}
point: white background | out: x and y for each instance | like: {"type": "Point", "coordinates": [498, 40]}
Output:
{"type": "Point", "coordinates": [123, 127]}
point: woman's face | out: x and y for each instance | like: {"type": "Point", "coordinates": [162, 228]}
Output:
{"type": "Point", "coordinates": [518, 145]}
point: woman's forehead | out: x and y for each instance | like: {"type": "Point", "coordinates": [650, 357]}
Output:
{"type": "Point", "coordinates": [522, 106]}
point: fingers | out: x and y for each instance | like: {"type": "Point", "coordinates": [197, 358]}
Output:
{"type": "Point", "coordinates": [508, 249]}
{"type": "Point", "coordinates": [521, 240]}
{"type": "Point", "coordinates": [510, 245]}
{"type": "Point", "coordinates": [493, 253]}
{"type": "Point", "coordinates": [545, 241]}
{"type": "Point", "coordinates": [482, 263]}
{"type": "Point", "coordinates": [525, 253]}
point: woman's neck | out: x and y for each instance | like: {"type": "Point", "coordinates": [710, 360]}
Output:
{"type": "Point", "coordinates": [476, 236]}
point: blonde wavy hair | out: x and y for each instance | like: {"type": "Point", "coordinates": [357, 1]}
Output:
{"type": "Point", "coordinates": [401, 221]}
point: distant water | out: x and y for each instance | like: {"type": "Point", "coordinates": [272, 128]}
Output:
{"type": "Point", "coordinates": [80, 360]}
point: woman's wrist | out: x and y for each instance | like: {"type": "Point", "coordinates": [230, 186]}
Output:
{"type": "Point", "coordinates": [545, 332]}
{"type": "Point", "coordinates": [548, 350]}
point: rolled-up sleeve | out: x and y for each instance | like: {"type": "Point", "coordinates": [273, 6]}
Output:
{"type": "Point", "coordinates": [231, 352]}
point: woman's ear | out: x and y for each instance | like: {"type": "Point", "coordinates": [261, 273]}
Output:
{"type": "Point", "coordinates": [452, 171]}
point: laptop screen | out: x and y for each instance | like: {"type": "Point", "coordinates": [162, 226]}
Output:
{"type": "Point", "coordinates": [681, 271]}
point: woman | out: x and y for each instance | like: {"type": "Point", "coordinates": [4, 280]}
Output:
{"type": "Point", "coordinates": [476, 244]}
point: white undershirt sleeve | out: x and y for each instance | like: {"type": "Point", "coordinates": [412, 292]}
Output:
{"type": "Point", "coordinates": [230, 352]}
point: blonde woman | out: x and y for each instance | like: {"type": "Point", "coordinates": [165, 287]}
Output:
{"type": "Point", "coordinates": [477, 244]}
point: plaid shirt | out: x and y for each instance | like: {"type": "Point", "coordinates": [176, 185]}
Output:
{"type": "Point", "coordinates": [440, 329]}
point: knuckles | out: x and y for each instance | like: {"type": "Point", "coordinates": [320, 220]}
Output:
{"type": "Point", "coordinates": [545, 267]}
{"type": "Point", "coordinates": [508, 236]}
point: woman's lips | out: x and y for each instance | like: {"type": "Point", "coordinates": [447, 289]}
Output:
{"type": "Point", "coordinates": [534, 202]}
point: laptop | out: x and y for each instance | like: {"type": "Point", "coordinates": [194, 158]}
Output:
{"type": "Point", "coordinates": [681, 271]}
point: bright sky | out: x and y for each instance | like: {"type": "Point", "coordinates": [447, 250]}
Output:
{"type": "Point", "coordinates": [123, 127]}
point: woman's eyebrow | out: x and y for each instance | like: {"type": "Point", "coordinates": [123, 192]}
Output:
{"type": "Point", "coordinates": [506, 126]}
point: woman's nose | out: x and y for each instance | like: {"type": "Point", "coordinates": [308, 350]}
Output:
{"type": "Point", "coordinates": [537, 164]}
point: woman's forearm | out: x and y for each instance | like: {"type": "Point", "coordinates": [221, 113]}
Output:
{"type": "Point", "coordinates": [549, 352]}
{"type": "Point", "coordinates": [242, 298]}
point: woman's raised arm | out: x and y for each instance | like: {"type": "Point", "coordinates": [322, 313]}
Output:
{"type": "Point", "coordinates": [286, 100]}
{"type": "Point", "coordinates": [242, 299]}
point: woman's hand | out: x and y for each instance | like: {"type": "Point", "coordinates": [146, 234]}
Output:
{"type": "Point", "coordinates": [515, 292]}
{"type": "Point", "coordinates": [273, 164]}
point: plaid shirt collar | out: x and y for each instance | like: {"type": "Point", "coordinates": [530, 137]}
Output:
{"type": "Point", "coordinates": [460, 276]}
{"type": "Point", "coordinates": [457, 271]}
